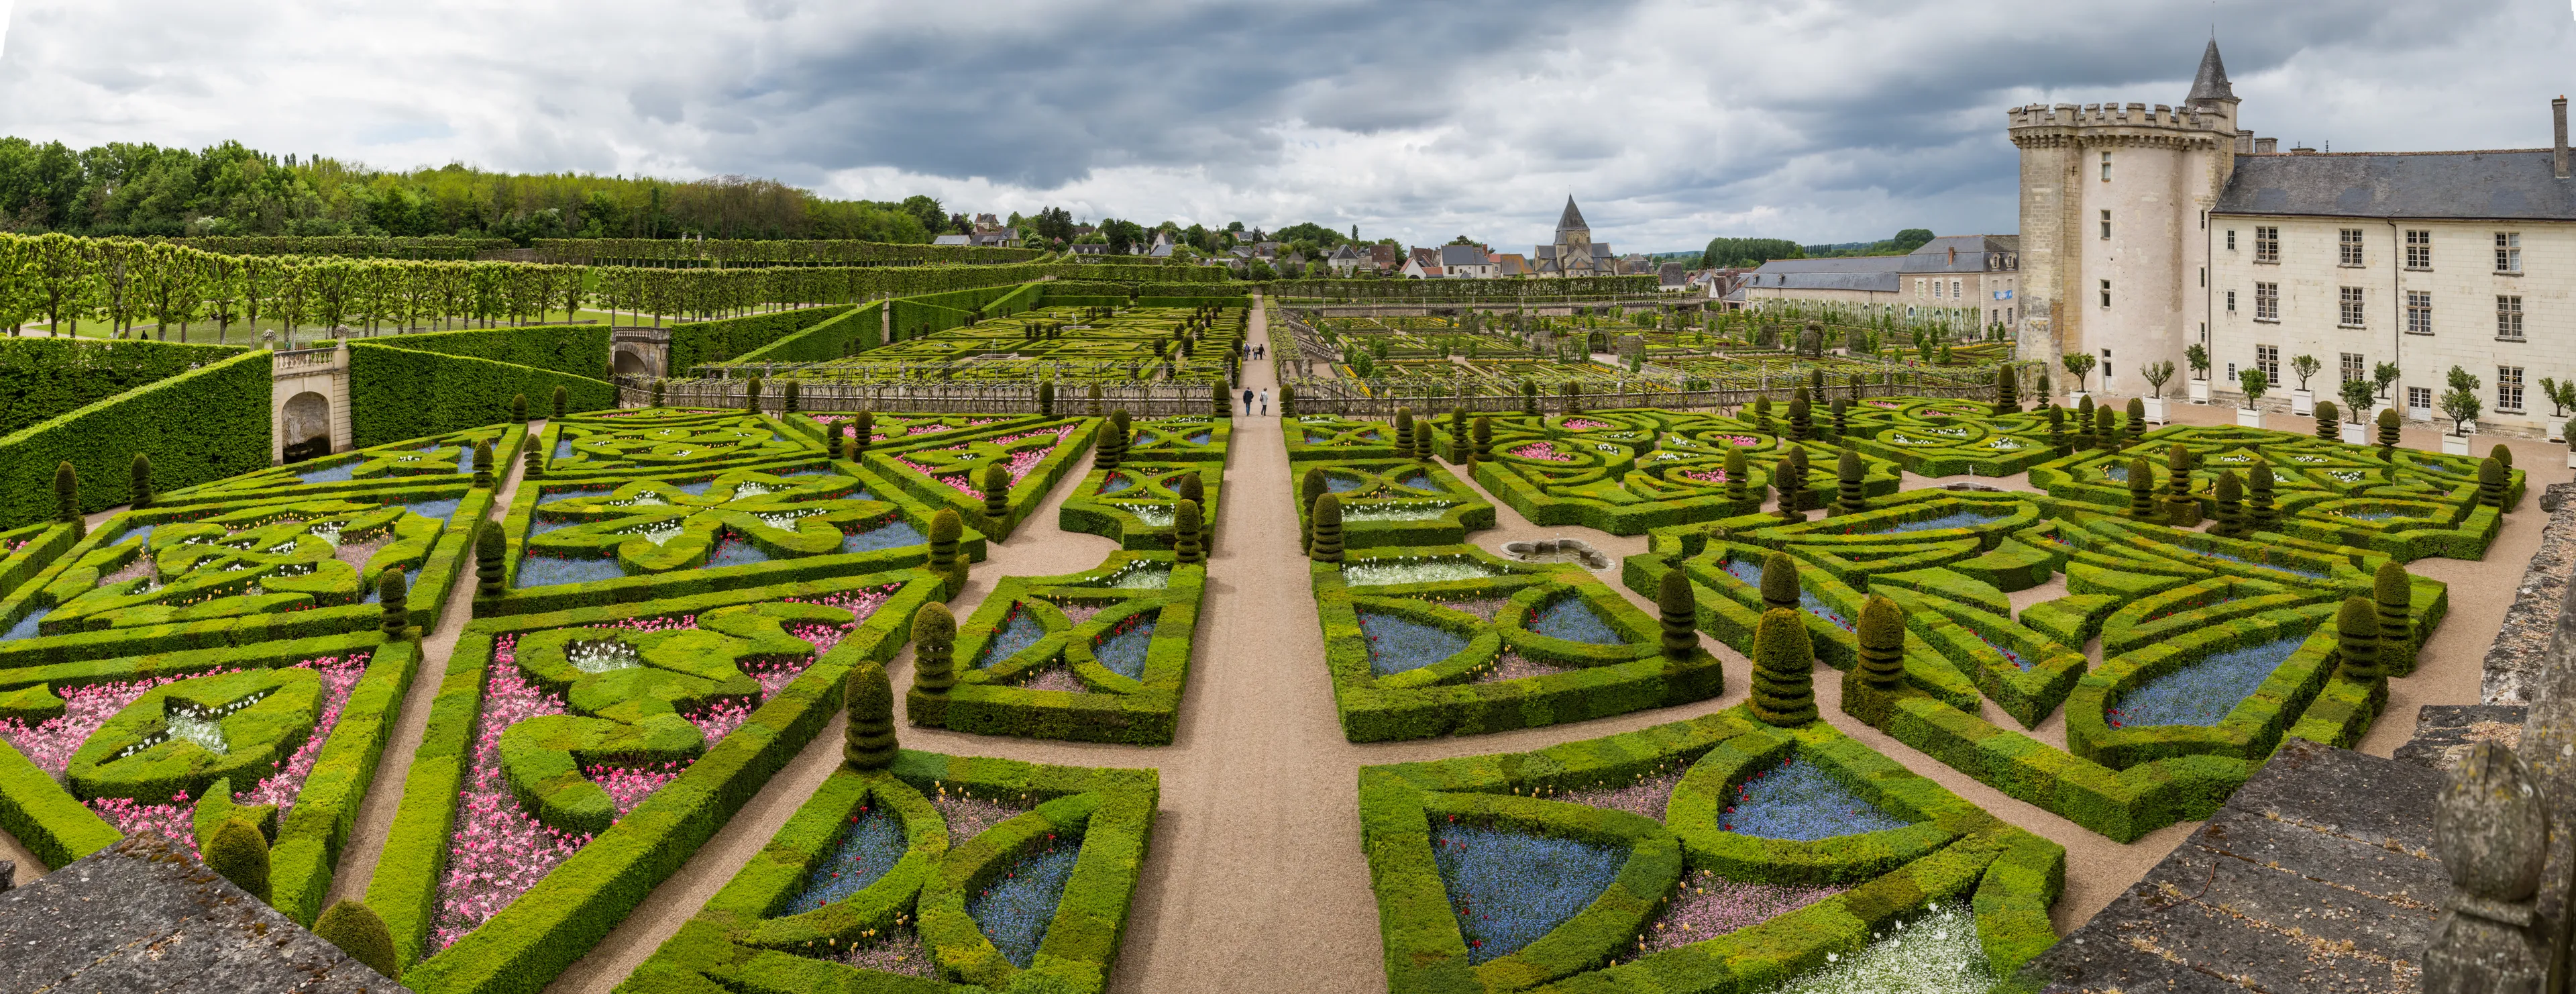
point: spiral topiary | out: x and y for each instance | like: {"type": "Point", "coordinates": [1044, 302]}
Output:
{"type": "Point", "coordinates": [1882, 644]}
{"type": "Point", "coordinates": [1738, 489]}
{"type": "Point", "coordinates": [490, 559]}
{"type": "Point", "coordinates": [1423, 448]}
{"type": "Point", "coordinates": [2329, 420]}
{"type": "Point", "coordinates": [1403, 433]}
{"type": "Point", "coordinates": [997, 494]}
{"type": "Point", "coordinates": [519, 408]}
{"type": "Point", "coordinates": [140, 482]}
{"type": "Point", "coordinates": [532, 462]}
{"type": "Point", "coordinates": [2007, 395]}
{"type": "Point", "coordinates": [751, 396]}
{"type": "Point", "coordinates": [1309, 487]}
{"type": "Point", "coordinates": [1287, 401]}
{"type": "Point", "coordinates": [2357, 640]}
{"type": "Point", "coordinates": [2057, 431]}
{"type": "Point", "coordinates": [1784, 670]}
{"type": "Point", "coordinates": [66, 492]}
{"type": "Point", "coordinates": [787, 399]}
{"type": "Point", "coordinates": [1459, 449]}
{"type": "Point", "coordinates": [863, 430]}
{"type": "Point", "coordinates": [2106, 428]}
{"type": "Point", "coordinates": [483, 464]}
{"type": "Point", "coordinates": [2387, 434]}
{"type": "Point", "coordinates": [1484, 435]}
{"type": "Point", "coordinates": [2230, 493]}
{"type": "Point", "coordinates": [2501, 454]}
{"type": "Point", "coordinates": [2491, 481]}
{"type": "Point", "coordinates": [2260, 514]}
{"type": "Point", "coordinates": [2142, 492]}
{"type": "Point", "coordinates": [1327, 544]}
{"type": "Point", "coordinates": [934, 649]}
{"type": "Point", "coordinates": [868, 743]}
{"type": "Point", "coordinates": [2392, 593]}
{"type": "Point", "coordinates": [1677, 607]}
{"type": "Point", "coordinates": [2182, 510]}
{"type": "Point", "coordinates": [1790, 480]}
{"type": "Point", "coordinates": [240, 853]}
{"type": "Point", "coordinates": [946, 528]}
{"type": "Point", "coordinates": [2137, 418]}
{"type": "Point", "coordinates": [1113, 447]}
{"type": "Point", "coordinates": [561, 398]}
{"type": "Point", "coordinates": [1850, 497]}
{"type": "Point", "coordinates": [1093, 396]}
{"type": "Point", "coordinates": [361, 933]}
{"type": "Point", "coordinates": [1802, 423]}
{"type": "Point", "coordinates": [1779, 580]}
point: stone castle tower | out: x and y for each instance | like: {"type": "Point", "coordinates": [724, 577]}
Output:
{"type": "Point", "coordinates": [2115, 206]}
{"type": "Point", "coordinates": [1572, 233]}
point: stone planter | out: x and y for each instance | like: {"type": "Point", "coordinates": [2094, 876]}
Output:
{"type": "Point", "coordinates": [2354, 434]}
{"type": "Point", "coordinates": [2249, 417]}
{"type": "Point", "coordinates": [2558, 430]}
{"type": "Point", "coordinates": [2455, 445]}
{"type": "Point", "coordinates": [2571, 459]}
{"type": "Point", "coordinates": [2200, 391]}
{"type": "Point", "coordinates": [2303, 402]}
{"type": "Point", "coordinates": [2155, 410]}
{"type": "Point", "coordinates": [2076, 397]}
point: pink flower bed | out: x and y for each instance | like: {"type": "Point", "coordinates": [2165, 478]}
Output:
{"type": "Point", "coordinates": [1540, 451]}
{"type": "Point", "coordinates": [1740, 441]}
{"type": "Point", "coordinates": [1019, 465]}
{"type": "Point", "coordinates": [1709, 476]}
{"type": "Point", "coordinates": [50, 745]}
{"type": "Point", "coordinates": [1708, 906]}
{"type": "Point", "coordinates": [1584, 424]}
{"type": "Point", "coordinates": [499, 850]}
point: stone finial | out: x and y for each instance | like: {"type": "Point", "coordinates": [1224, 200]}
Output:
{"type": "Point", "coordinates": [2491, 829]}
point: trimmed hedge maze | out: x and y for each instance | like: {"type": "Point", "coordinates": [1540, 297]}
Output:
{"type": "Point", "coordinates": [978, 871]}
{"type": "Point", "coordinates": [1715, 854]}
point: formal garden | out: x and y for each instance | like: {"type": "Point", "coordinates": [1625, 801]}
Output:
{"type": "Point", "coordinates": [570, 641]}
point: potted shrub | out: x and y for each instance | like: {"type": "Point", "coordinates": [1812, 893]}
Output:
{"type": "Point", "coordinates": [2384, 376]}
{"type": "Point", "coordinates": [2157, 374]}
{"type": "Point", "coordinates": [2253, 383]}
{"type": "Point", "coordinates": [2304, 400]}
{"type": "Point", "coordinates": [2571, 453]}
{"type": "Point", "coordinates": [2080, 364]}
{"type": "Point", "coordinates": [2198, 357]}
{"type": "Point", "coordinates": [2460, 404]}
{"type": "Point", "coordinates": [2561, 397]}
{"type": "Point", "coordinates": [2359, 403]}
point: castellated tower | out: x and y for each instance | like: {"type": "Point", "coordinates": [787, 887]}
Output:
{"type": "Point", "coordinates": [2115, 204]}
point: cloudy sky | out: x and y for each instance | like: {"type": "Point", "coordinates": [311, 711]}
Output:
{"type": "Point", "coordinates": [1817, 120]}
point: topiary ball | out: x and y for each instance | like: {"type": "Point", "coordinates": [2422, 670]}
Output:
{"type": "Point", "coordinates": [240, 853]}
{"type": "Point", "coordinates": [361, 933]}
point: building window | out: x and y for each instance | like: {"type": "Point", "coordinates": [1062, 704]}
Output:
{"type": "Point", "coordinates": [2350, 297]}
{"type": "Point", "coordinates": [2106, 293]}
{"type": "Point", "coordinates": [2419, 250]}
{"type": "Point", "coordinates": [2106, 226]}
{"type": "Point", "coordinates": [2268, 359]}
{"type": "Point", "coordinates": [2267, 244]}
{"type": "Point", "coordinates": [2509, 389]}
{"type": "Point", "coordinates": [1918, 286]}
{"type": "Point", "coordinates": [2419, 403]}
{"type": "Point", "coordinates": [1936, 288]}
{"type": "Point", "coordinates": [2508, 251]}
{"type": "Point", "coordinates": [2349, 240]}
{"type": "Point", "coordinates": [2106, 168]}
{"type": "Point", "coordinates": [1954, 289]}
{"type": "Point", "coordinates": [2267, 301]}
{"type": "Point", "coordinates": [2231, 301]}
{"type": "Point", "coordinates": [2231, 239]}
{"type": "Point", "coordinates": [2352, 369]}
{"type": "Point", "coordinates": [2509, 318]}
{"type": "Point", "coordinates": [2419, 310]}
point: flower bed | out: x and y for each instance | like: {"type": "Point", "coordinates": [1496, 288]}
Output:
{"type": "Point", "coordinates": [1101, 655]}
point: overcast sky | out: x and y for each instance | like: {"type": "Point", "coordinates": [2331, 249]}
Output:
{"type": "Point", "coordinates": [1823, 120]}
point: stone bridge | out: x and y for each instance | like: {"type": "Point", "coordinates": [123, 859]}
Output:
{"type": "Point", "coordinates": [640, 351]}
{"type": "Point", "coordinates": [309, 403]}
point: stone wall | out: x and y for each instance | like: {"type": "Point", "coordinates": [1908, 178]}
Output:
{"type": "Point", "coordinates": [2514, 661]}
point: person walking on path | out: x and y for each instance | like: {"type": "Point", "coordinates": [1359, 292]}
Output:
{"type": "Point", "coordinates": [1265, 402]}
{"type": "Point", "coordinates": [1247, 402]}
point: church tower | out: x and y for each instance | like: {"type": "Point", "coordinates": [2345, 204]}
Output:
{"type": "Point", "coordinates": [2115, 206]}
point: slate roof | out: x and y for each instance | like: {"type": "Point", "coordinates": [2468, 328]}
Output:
{"type": "Point", "coordinates": [1572, 219]}
{"type": "Point", "coordinates": [1463, 255]}
{"type": "Point", "coordinates": [952, 240]}
{"type": "Point", "coordinates": [1879, 280]}
{"type": "Point", "coordinates": [2512, 185]}
{"type": "Point", "coordinates": [2210, 83]}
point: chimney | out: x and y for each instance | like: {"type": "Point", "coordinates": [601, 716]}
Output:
{"type": "Point", "coordinates": [2267, 146]}
{"type": "Point", "coordinates": [2558, 152]}
{"type": "Point", "coordinates": [2302, 150]}
{"type": "Point", "coordinates": [2244, 140]}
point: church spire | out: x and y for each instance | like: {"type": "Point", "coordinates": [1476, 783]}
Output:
{"type": "Point", "coordinates": [2209, 85]}
{"type": "Point", "coordinates": [1571, 220]}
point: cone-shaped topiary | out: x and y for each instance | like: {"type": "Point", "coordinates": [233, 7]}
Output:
{"type": "Point", "coordinates": [2142, 492]}
{"type": "Point", "coordinates": [2230, 493]}
{"type": "Point", "coordinates": [1094, 398]}
{"type": "Point", "coordinates": [361, 933]}
{"type": "Point", "coordinates": [997, 493]}
{"type": "Point", "coordinates": [1404, 433]}
{"type": "Point", "coordinates": [2137, 420]}
{"type": "Point", "coordinates": [1423, 448]}
{"type": "Point", "coordinates": [141, 481]}
{"type": "Point", "coordinates": [2491, 480]}
{"type": "Point", "coordinates": [1287, 401]}
{"type": "Point", "coordinates": [1185, 533]}
{"type": "Point", "coordinates": [560, 399]}
{"type": "Point", "coordinates": [66, 492]}
{"type": "Point", "coordinates": [1790, 480]}
{"type": "Point", "coordinates": [867, 743]}
{"type": "Point", "coordinates": [2084, 422]}
{"type": "Point", "coordinates": [1738, 488]}
{"type": "Point", "coordinates": [1484, 435]}
{"type": "Point", "coordinates": [2387, 433]}
{"type": "Point", "coordinates": [2260, 515]}
{"type": "Point", "coordinates": [1046, 398]}
{"type": "Point", "coordinates": [240, 853]}
{"type": "Point", "coordinates": [1816, 374]}
{"type": "Point", "coordinates": [2007, 395]}
{"type": "Point", "coordinates": [863, 430]}
{"type": "Point", "coordinates": [532, 461]}
{"type": "Point", "coordinates": [490, 552]}
{"type": "Point", "coordinates": [1458, 444]}
{"type": "Point", "coordinates": [2329, 420]}
{"type": "Point", "coordinates": [1309, 487]}
{"type": "Point", "coordinates": [395, 594]}
{"type": "Point", "coordinates": [1850, 499]}
{"type": "Point", "coordinates": [1529, 398]}
{"type": "Point", "coordinates": [2393, 594]}
{"type": "Point", "coordinates": [751, 395]}
{"type": "Point", "coordinates": [1677, 606]}
{"type": "Point", "coordinates": [1573, 395]}
{"type": "Point", "coordinates": [2106, 428]}
{"type": "Point", "coordinates": [1802, 418]}
{"type": "Point", "coordinates": [787, 398]}
{"type": "Point", "coordinates": [1882, 644]}
{"type": "Point", "coordinates": [934, 649]}
{"type": "Point", "coordinates": [1327, 544]}
{"type": "Point", "coordinates": [1192, 489]}
{"type": "Point", "coordinates": [946, 528]}
{"type": "Point", "coordinates": [1762, 414]}
{"type": "Point", "coordinates": [519, 408]}
{"type": "Point", "coordinates": [2182, 510]}
{"type": "Point", "coordinates": [1784, 670]}
{"type": "Point", "coordinates": [1113, 447]}
{"type": "Point", "coordinates": [2057, 431]}
{"type": "Point", "coordinates": [2357, 640]}
{"type": "Point", "coordinates": [1217, 402]}
{"type": "Point", "coordinates": [1779, 580]}
{"type": "Point", "coordinates": [657, 395]}
{"type": "Point", "coordinates": [1842, 418]}
{"type": "Point", "coordinates": [2501, 454]}
{"type": "Point", "coordinates": [483, 464]}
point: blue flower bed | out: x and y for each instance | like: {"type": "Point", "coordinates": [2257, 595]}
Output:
{"type": "Point", "coordinates": [1802, 803]}
{"type": "Point", "coordinates": [2376, 515]}
{"type": "Point", "coordinates": [2116, 472]}
{"type": "Point", "coordinates": [2313, 574]}
{"type": "Point", "coordinates": [2203, 692]}
{"type": "Point", "coordinates": [562, 495]}
{"type": "Point", "coordinates": [1124, 650]}
{"type": "Point", "coordinates": [465, 458]}
{"type": "Point", "coordinates": [563, 447]}
{"type": "Point", "coordinates": [1954, 519]}
{"type": "Point", "coordinates": [1571, 619]}
{"type": "Point", "coordinates": [1509, 888]}
{"type": "Point", "coordinates": [1751, 573]}
{"type": "Point", "coordinates": [1116, 482]}
{"type": "Point", "coordinates": [1399, 644]}
{"type": "Point", "coordinates": [537, 527]}
{"type": "Point", "coordinates": [871, 842]}
{"type": "Point", "coordinates": [698, 489]}
{"type": "Point", "coordinates": [891, 535]}
{"type": "Point", "coordinates": [546, 571]}
{"type": "Point", "coordinates": [342, 473]}
{"type": "Point", "coordinates": [1419, 481]}
{"type": "Point", "coordinates": [1015, 910]}
{"type": "Point", "coordinates": [736, 552]}
{"type": "Point", "coordinates": [1020, 630]}
{"type": "Point", "coordinates": [1340, 484]}
{"type": "Point", "coordinates": [435, 510]}
{"type": "Point", "coordinates": [1203, 438]}
{"type": "Point", "coordinates": [26, 627]}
